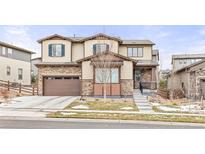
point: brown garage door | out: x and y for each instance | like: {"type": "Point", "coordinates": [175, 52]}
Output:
{"type": "Point", "coordinates": [61, 86]}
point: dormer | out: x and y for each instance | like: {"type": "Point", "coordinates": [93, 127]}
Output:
{"type": "Point", "coordinates": [100, 43]}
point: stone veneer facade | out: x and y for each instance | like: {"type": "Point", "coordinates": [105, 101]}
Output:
{"type": "Point", "coordinates": [195, 80]}
{"type": "Point", "coordinates": [126, 87]}
{"type": "Point", "coordinates": [87, 87]}
{"type": "Point", "coordinates": [55, 71]}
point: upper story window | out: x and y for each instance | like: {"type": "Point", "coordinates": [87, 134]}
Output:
{"type": "Point", "coordinates": [185, 61]}
{"type": "Point", "coordinates": [98, 48]}
{"type": "Point", "coordinates": [180, 61]}
{"type": "Point", "coordinates": [135, 52]}
{"type": "Point", "coordinates": [8, 70]}
{"type": "Point", "coordinates": [3, 51]}
{"type": "Point", "coordinates": [56, 50]}
{"type": "Point", "coordinates": [154, 58]}
{"type": "Point", "coordinates": [10, 51]}
{"type": "Point", "coordinates": [20, 73]}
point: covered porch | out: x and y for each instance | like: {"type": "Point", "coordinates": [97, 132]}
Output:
{"type": "Point", "coordinates": [147, 75]}
{"type": "Point", "coordinates": [107, 73]}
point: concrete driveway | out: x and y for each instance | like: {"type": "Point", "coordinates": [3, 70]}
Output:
{"type": "Point", "coordinates": [40, 102]}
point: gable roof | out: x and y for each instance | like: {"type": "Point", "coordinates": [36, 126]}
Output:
{"type": "Point", "coordinates": [83, 39]}
{"type": "Point", "coordinates": [15, 47]}
{"type": "Point", "coordinates": [53, 36]}
{"type": "Point", "coordinates": [101, 35]}
{"type": "Point", "coordinates": [107, 52]}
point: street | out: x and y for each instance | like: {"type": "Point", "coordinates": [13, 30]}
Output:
{"type": "Point", "coordinates": [90, 124]}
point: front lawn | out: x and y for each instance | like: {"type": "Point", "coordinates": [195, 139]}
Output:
{"type": "Point", "coordinates": [99, 104]}
{"type": "Point", "coordinates": [118, 116]}
{"type": "Point", "coordinates": [175, 102]}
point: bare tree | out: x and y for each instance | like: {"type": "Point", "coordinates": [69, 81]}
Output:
{"type": "Point", "coordinates": [103, 64]}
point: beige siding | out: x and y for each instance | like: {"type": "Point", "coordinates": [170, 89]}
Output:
{"type": "Point", "coordinates": [175, 81]}
{"type": "Point", "coordinates": [15, 65]}
{"type": "Point", "coordinates": [77, 51]}
{"type": "Point", "coordinates": [147, 55]}
{"type": "Point", "coordinates": [123, 50]}
{"type": "Point", "coordinates": [89, 46]}
{"type": "Point", "coordinates": [87, 70]}
{"type": "Point", "coordinates": [66, 58]}
{"type": "Point", "coordinates": [127, 70]}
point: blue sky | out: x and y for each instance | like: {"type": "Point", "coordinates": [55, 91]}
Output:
{"type": "Point", "coordinates": [169, 39]}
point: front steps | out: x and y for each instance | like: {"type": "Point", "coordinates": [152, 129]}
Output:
{"type": "Point", "coordinates": [141, 101]}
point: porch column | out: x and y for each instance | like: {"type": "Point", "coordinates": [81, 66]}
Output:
{"type": "Point", "coordinates": [153, 79]}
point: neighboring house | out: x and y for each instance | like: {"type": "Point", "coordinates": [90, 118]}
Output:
{"type": "Point", "coordinates": [183, 60]}
{"type": "Point", "coordinates": [15, 64]}
{"type": "Point", "coordinates": [34, 69]}
{"type": "Point", "coordinates": [190, 78]}
{"type": "Point", "coordinates": [70, 65]}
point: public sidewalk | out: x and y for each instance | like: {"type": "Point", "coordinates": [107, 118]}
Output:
{"type": "Point", "coordinates": [125, 112]}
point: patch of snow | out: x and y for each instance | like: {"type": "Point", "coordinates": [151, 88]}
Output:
{"type": "Point", "coordinates": [166, 108]}
{"type": "Point", "coordinates": [155, 104]}
{"type": "Point", "coordinates": [67, 113]}
{"type": "Point", "coordinates": [184, 108]}
{"type": "Point", "coordinates": [80, 107]}
{"type": "Point", "coordinates": [126, 108]}
{"type": "Point", "coordinates": [190, 107]}
{"type": "Point", "coordinates": [82, 101]}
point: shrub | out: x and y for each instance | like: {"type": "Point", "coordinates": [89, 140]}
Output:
{"type": "Point", "coordinates": [163, 84]}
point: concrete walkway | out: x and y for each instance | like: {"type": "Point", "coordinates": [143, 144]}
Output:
{"type": "Point", "coordinates": [33, 106]}
{"type": "Point", "coordinates": [39, 102]}
{"type": "Point", "coordinates": [141, 101]}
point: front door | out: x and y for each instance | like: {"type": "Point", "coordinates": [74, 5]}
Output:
{"type": "Point", "coordinates": [137, 76]}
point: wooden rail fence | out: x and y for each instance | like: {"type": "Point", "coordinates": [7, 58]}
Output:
{"type": "Point", "coordinates": [18, 87]}
{"type": "Point", "coordinates": [163, 93]}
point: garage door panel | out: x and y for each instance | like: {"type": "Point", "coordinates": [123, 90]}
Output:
{"type": "Point", "coordinates": [61, 87]}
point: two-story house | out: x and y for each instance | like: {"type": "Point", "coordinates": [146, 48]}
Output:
{"type": "Point", "coordinates": [183, 60]}
{"type": "Point", "coordinates": [72, 65]}
{"type": "Point", "coordinates": [15, 64]}
{"type": "Point", "coordinates": [188, 74]}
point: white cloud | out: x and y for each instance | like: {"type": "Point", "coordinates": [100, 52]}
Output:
{"type": "Point", "coordinates": [163, 34]}
{"type": "Point", "coordinates": [19, 36]}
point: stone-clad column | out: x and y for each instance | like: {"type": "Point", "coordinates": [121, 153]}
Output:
{"type": "Point", "coordinates": [153, 79]}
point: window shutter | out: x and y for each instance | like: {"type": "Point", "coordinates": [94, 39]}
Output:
{"type": "Point", "coordinates": [50, 50]}
{"type": "Point", "coordinates": [94, 49]}
{"type": "Point", "coordinates": [107, 47]}
{"type": "Point", "coordinates": [62, 50]}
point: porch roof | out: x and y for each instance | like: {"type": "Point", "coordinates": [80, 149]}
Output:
{"type": "Point", "coordinates": [146, 63]}
{"type": "Point", "coordinates": [57, 64]}
{"type": "Point", "coordinates": [109, 64]}
{"type": "Point", "coordinates": [109, 53]}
